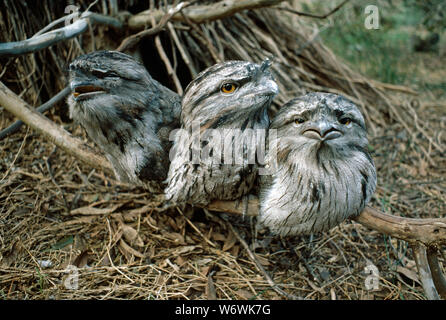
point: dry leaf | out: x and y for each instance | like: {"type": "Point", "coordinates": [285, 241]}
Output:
{"type": "Point", "coordinates": [229, 243]}
{"type": "Point", "coordinates": [412, 275]}
{"type": "Point", "coordinates": [131, 235]}
{"type": "Point", "coordinates": [95, 211]}
{"type": "Point", "coordinates": [126, 248]}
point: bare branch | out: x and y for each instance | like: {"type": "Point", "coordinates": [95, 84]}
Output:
{"type": "Point", "coordinates": [419, 252]}
{"type": "Point", "coordinates": [39, 42]}
{"type": "Point", "coordinates": [44, 107]}
{"type": "Point", "coordinates": [437, 275]}
{"type": "Point", "coordinates": [130, 42]}
{"type": "Point", "coordinates": [316, 16]}
{"type": "Point", "coordinates": [426, 231]}
{"type": "Point", "coordinates": [201, 13]}
{"type": "Point", "coordinates": [11, 102]}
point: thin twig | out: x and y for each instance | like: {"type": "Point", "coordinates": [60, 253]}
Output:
{"type": "Point", "coordinates": [258, 264]}
{"type": "Point", "coordinates": [129, 42]}
{"type": "Point", "coordinates": [312, 15]}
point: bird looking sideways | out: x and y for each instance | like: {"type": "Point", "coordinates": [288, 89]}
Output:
{"type": "Point", "coordinates": [322, 170]}
{"type": "Point", "coordinates": [224, 101]}
{"type": "Point", "coordinates": [127, 113]}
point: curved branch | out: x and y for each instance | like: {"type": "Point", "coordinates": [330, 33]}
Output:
{"type": "Point", "coordinates": [39, 42]}
{"type": "Point", "coordinates": [201, 13]}
{"type": "Point", "coordinates": [11, 102]}
{"type": "Point", "coordinates": [44, 107]}
{"type": "Point", "coordinates": [419, 252]}
{"type": "Point", "coordinates": [437, 275]}
{"type": "Point", "coordinates": [426, 231]}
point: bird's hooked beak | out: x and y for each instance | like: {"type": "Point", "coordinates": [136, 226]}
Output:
{"type": "Point", "coordinates": [264, 80]}
{"type": "Point", "coordinates": [322, 130]}
{"type": "Point", "coordinates": [84, 90]}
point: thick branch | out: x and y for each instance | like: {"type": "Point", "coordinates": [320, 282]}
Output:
{"type": "Point", "coordinates": [437, 274]}
{"type": "Point", "coordinates": [424, 272]}
{"type": "Point", "coordinates": [63, 139]}
{"type": "Point", "coordinates": [426, 231]}
{"type": "Point", "coordinates": [44, 107]}
{"type": "Point", "coordinates": [42, 41]}
{"type": "Point", "coordinates": [201, 13]}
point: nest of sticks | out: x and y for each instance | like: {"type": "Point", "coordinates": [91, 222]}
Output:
{"type": "Point", "coordinates": [58, 211]}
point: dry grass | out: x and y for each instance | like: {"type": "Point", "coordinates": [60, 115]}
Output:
{"type": "Point", "coordinates": [55, 209]}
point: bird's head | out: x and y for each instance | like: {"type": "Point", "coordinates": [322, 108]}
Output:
{"type": "Point", "coordinates": [104, 79]}
{"type": "Point", "coordinates": [229, 91]}
{"type": "Point", "coordinates": [319, 121]}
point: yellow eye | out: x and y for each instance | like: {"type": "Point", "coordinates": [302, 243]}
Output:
{"type": "Point", "coordinates": [345, 121]}
{"type": "Point", "coordinates": [299, 120]}
{"type": "Point", "coordinates": [228, 87]}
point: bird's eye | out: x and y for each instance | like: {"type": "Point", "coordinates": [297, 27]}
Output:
{"type": "Point", "coordinates": [345, 121]}
{"type": "Point", "coordinates": [99, 73]}
{"type": "Point", "coordinates": [112, 74]}
{"type": "Point", "coordinates": [228, 87]}
{"type": "Point", "coordinates": [299, 120]}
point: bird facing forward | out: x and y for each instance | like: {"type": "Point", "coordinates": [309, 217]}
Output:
{"type": "Point", "coordinates": [322, 172]}
{"type": "Point", "coordinates": [221, 110]}
{"type": "Point", "coordinates": [126, 113]}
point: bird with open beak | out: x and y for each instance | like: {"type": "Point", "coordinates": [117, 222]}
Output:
{"type": "Point", "coordinates": [127, 113]}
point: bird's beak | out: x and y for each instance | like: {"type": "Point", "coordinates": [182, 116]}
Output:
{"type": "Point", "coordinates": [265, 84]}
{"type": "Point", "coordinates": [322, 130]}
{"type": "Point", "coordinates": [81, 90]}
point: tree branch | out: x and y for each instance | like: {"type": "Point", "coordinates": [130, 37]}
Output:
{"type": "Point", "coordinates": [44, 107]}
{"type": "Point", "coordinates": [131, 41]}
{"type": "Point", "coordinates": [427, 231]}
{"type": "Point", "coordinates": [42, 41]}
{"type": "Point", "coordinates": [63, 139]}
{"type": "Point", "coordinates": [424, 272]}
{"type": "Point", "coordinates": [201, 13]}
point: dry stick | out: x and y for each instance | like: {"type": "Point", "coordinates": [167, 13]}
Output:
{"type": "Point", "coordinates": [63, 139]}
{"type": "Point", "coordinates": [129, 42]}
{"type": "Point", "coordinates": [201, 13]}
{"type": "Point", "coordinates": [258, 264]}
{"type": "Point", "coordinates": [426, 231]}
{"type": "Point", "coordinates": [183, 52]}
{"type": "Point", "coordinates": [437, 275]}
{"type": "Point", "coordinates": [424, 272]}
{"type": "Point", "coordinates": [45, 40]}
{"type": "Point", "coordinates": [311, 15]}
{"type": "Point", "coordinates": [204, 40]}
{"type": "Point", "coordinates": [44, 107]}
{"type": "Point", "coordinates": [170, 71]}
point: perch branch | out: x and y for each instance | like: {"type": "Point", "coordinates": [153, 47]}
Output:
{"type": "Point", "coordinates": [63, 139]}
{"type": "Point", "coordinates": [42, 41]}
{"type": "Point", "coordinates": [437, 275]}
{"type": "Point", "coordinates": [201, 13]}
{"type": "Point", "coordinates": [44, 107]}
{"type": "Point", "coordinates": [427, 231]}
{"type": "Point", "coordinates": [424, 272]}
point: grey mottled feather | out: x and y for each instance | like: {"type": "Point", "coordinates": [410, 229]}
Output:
{"type": "Point", "coordinates": [317, 184]}
{"type": "Point", "coordinates": [129, 116]}
{"type": "Point", "coordinates": [204, 104]}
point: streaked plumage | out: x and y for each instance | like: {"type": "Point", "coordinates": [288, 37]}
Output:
{"type": "Point", "coordinates": [324, 172]}
{"type": "Point", "coordinates": [126, 113]}
{"type": "Point", "coordinates": [210, 103]}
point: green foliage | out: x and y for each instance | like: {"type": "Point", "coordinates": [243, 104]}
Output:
{"type": "Point", "coordinates": [384, 54]}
